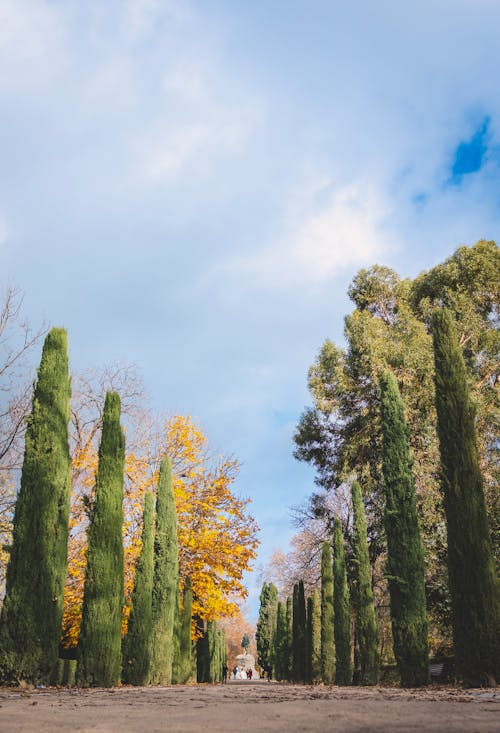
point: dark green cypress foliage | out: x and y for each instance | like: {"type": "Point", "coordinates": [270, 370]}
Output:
{"type": "Point", "coordinates": [405, 562]}
{"type": "Point", "coordinates": [288, 672]}
{"type": "Point", "coordinates": [342, 608]}
{"type": "Point", "coordinates": [185, 643]}
{"type": "Point", "coordinates": [136, 647]}
{"type": "Point", "coordinates": [266, 625]}
{"type": "Point", "coordinates": [30, 622]}
{"type": "Point", "coordinates": [308, 643]}
{"type": "Point", "coordinates": [366, 620]}
{"type": "Point", "coordinates": [99, 645]}
{"type": "Point", "coordinates": [473, 584]}
{"type": "Point", "coordinates": [299, 633]}
{"type": "Point", "coordinates": [165, 579]}
{"type": "Point", "coordinates": [295, 634]}
{"type": "Point", "coordinates": [176, 655]}
{"type": "Point", "coordinates": [327, 617]}
{"type": "Point", "coordinates": [202, 653]}
{"type": "Point", "coordinates": [281, 644]}
{"type": "Point", "coordinates": [213, 651]}
{"type": "Point", "coordinates": [315, 637]}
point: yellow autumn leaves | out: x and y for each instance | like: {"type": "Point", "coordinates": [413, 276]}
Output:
{"type": "Point", "coordinates": [217, 535]}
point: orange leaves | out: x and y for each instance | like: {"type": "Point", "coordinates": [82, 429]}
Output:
{"type": "Point", "coordinates": [217, 535]}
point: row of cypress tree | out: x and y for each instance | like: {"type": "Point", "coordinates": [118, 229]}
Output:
{"type": "Point", "coordinates": [473, 584]}
{"type": "Point", "coordinates": [158, 647]}
{"type": "Point", "coordinates": [311, 639]}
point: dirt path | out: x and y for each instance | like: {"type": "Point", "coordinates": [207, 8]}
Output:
{"type": "Point", "coordinates": [248, 707]}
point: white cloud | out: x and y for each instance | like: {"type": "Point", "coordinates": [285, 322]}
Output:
{"type": "Point", "coordinates": [32, 45]}
{"type": "Point", "coordinates": [197, 122]}
{"type": "Point", "coordinates": [4, 229]}
{"type": "Point", "coordinates": [328, 229]}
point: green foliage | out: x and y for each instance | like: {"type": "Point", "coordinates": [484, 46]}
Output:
{"type": "Point", "coordinates": [405, 563]}
{"type": "Point", "coordinates": [468, 284]}
{"type": "Point", "coordinates": [266, 625]}
{"type": "Point", "coordinates": [289, 639]}
{"type": "Point", "coordinates": [327, 617]}
{"type": "Point", "coordinates": [30, 621]}
{"type": "Point", "coordinates": [136, 647]}
{"type": "Point", "coordinates": [185, 645]}
{"type": "Point", "coordinates": [211, 653]}
{"type": "Point", "coordinates": [99, 644]}
{"type": "Point", "coordinates": [342, 609]}
{"type": "Point", "coordinates": [281, 644]}
{"type": "Point", "coordinates": [165, 579]}
{"type": "Point", "coordinates": [473, 584]}
{"type": "Point", "coordinates": [314, 638]}
{"type": "Point", "coordinates": [299, 643]}
{"type": "Point", "coordinates": [366, 621]}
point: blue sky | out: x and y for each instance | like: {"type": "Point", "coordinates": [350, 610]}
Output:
{"type": "Point", "coordinates": [191, 186]}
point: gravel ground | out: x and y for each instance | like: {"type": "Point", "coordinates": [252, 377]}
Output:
{"type": "Point", "coordinates": [248, 706]}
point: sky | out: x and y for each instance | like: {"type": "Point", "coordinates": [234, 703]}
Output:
{"type": "Point", "coordinates": [191, 185]}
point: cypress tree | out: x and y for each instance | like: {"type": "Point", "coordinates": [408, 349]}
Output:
{"type": "Point", "coordinates": [281, 642]}
{"type": "Point", "coordinates": [213, 651]}
{"type": "Point", "coordinates": [366, 620]}
{"type": "Point", "coordinates": [165, 579]}
{"type": "Point", "coordinates": [327, 617]}
{"type": "Point", "coordinates": [136, 648]}
{"type": "Point", "coordinates": [30, 621]}
{"type": "Point", "coordinates": [315, 637]}
{"type": "Point", "coordinates": [266, 625]}
{"type": "Point", "coordinates": [186, 645]}
{"type": "Point", "coordinates": [300, 634]}
{"type": "Point", "coordinates": [295, 634]}
{"type": "Point", "coordinates": [202, 653]}
{"type": "Point", "coordinates": [308, 643]}
{"type": "Point", "coordinates": [176, 654]}
{"type": "Point", "coordinates": [289, 639]}
{"type": "Point", "coordinates": [405, 562]}
{"type": "Point", "coordinates": [99, 644]}
{"type": "Point", "coordinates": [341, 603]}
{"type": "Point", "coordinates": [473, 585]}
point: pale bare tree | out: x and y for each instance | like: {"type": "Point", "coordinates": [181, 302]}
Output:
{"type": "Point", "coordinates": [18, 345]}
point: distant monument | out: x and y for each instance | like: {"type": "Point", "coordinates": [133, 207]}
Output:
{"type": "Point", "coordinates": [245, 661]}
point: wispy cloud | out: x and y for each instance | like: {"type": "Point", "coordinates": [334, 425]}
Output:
{"type": "Point", "coordinates": [329, 229]}
{"type": "Point", "coordinates": [32, 44]}
{"type": "Point", "coordinates": [4, 229]}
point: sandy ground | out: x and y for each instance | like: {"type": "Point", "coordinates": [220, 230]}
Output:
{"type": "Point", "coordinates": [245, 707]}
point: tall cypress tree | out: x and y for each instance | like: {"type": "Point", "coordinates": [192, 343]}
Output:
{"type": "Point", "coordinates": [295, 634]}
{"type": "Point", "coordinates": [266, 625]}
{"type": "Point", "coordinates": [185, 643]}
{"type": "Point", "coordinates": [366, 620]}
{"type": "Point", "coordinates": [405, 561]}
{"type": "Point", "coordinates": [327, 617]}
{"type": "Point", "coordinates": [473, 584]}
{"type": "Point", "coordinates": [342, 609]}
{"type": "Point", "coordinates": [299, 633]}
{"type": "Point", "coordinates": [136, 647]}
{"type": "Point", "coordinates": [30, 621]}
{"type": "Point", "coordinates": [309, 639]}
{"type": "Point", "coordinates": [315, 637]}
{"type": "Point", "coordinates": [280, 644]}
{"type": "Point", "coordinates": [99, 644]}
{"type": "Point", "coordinates": [289, 639]}
{"type": "Point", "coordinates": [165, 579]}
